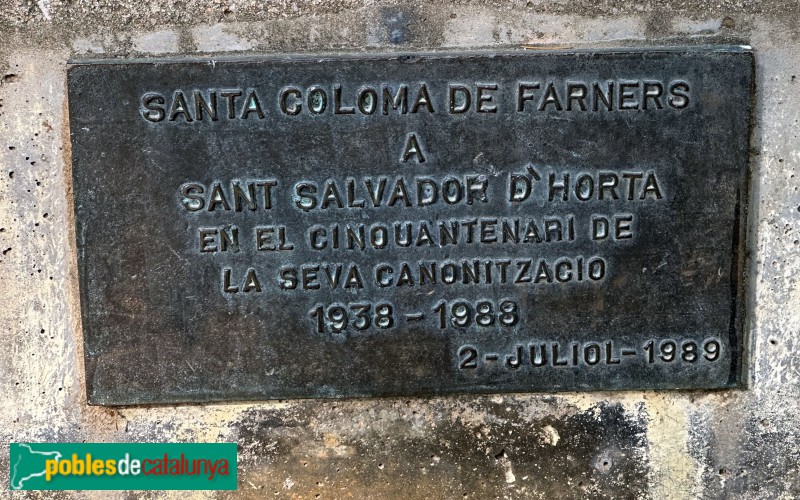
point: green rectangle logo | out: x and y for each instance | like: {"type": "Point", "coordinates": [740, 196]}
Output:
{"type": "Point", "coordinates": [123, 466]}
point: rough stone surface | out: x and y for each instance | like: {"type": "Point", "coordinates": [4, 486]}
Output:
{"type": "Point", "coordinates": [728, 444]}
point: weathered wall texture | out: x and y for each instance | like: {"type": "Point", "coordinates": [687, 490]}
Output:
{"type": "Point", "coordinates": [731, 444]}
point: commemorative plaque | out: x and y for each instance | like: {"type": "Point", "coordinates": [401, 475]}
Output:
{"type": "Point", "coordinates": [411, 224]}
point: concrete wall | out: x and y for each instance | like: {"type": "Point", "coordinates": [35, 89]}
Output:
{"type": "Point", "coordinates": [730, 444]}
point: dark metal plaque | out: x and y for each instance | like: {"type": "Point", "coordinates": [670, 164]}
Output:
{"type": "Point", "coordinates": [401, 225]}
